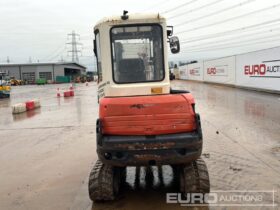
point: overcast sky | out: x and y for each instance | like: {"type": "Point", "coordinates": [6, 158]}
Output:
{"type": "Point", "coordinates": [206, 28]}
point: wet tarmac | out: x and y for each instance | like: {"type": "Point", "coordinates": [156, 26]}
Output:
{"type": "Point", "coordinates": [46, 155]}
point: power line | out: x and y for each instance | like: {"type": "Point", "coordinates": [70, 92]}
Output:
{"type": "Point", "coordinates": [230, 32]}
{"type": "Point", "coordinates": [58, 54]}
{"type": "Point", "coordinates": [85, 56]}
{"type": "Point", "coordinates": [182, 5]}
{"type": "Point", "coordinates": [53, 52]}
{"type": "Point", "coordinates": [232, 45]}
{"type": "Point", "coordinates": [195, 9]}
{"type": "Point", "coordinates": [231, 38]}
{"type": "Point", "coordinates": [235, 44]}
{"type": "Point", "coordinates": [274, 41]}
{"type": "Point", "coordinates": [88, 47]}
{"type": "Point", "coordinates": [217, 12]}
{"type": "Point", "coordinates": [87, 37]}
{"type": "Point", "coordinates": [156, 5]}
{"type": "Point", "coordinates": [230, 19]}
{"type": "Point", "coordinates": [74, 44]}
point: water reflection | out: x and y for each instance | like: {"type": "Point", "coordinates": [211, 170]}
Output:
{"type": "Point", "coordinates": [254, 109]}
{"type": "Point", "coordinates": [246, 104]}
{"type": "Point", "coordinates": [5, 102]}
{"type": "Point", "coordinates": [26, 115]}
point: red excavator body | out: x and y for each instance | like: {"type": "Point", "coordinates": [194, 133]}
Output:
{"type": "Point", "coordinates": [148, 130]}
{"type": "Point", "coordinates": [147, 115]}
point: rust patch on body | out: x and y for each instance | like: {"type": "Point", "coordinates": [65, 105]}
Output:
{"type": "Point", "coordinates": [137, 106]}
{"type": "Point", "coordinates": [141, 106]}
{"type": "Point", "coordinates": [145, 146]}
{"type": "Point", "coordinates": [147, 157]}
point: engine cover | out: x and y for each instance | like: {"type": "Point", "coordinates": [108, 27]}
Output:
{"type": "Point", "coordinates": [147, 115]}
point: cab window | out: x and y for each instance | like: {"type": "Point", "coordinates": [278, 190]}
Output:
{"type": "Point", "coordinates": [137, 53]}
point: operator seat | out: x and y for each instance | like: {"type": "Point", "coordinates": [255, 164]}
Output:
{"type": "Point", "coordinates": [131, 70]}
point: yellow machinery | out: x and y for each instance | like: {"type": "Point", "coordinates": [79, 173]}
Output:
{"type": "Point", "coordinates": [5, 88]}
{"type": "Point", "coordinates": [16, 82]}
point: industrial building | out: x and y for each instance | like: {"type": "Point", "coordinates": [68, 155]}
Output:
{"type": "Point", "coordinates": [30, 72]}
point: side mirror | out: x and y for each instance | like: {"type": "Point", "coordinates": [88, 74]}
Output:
{"type": "Point", "coordinates": [174, 44]}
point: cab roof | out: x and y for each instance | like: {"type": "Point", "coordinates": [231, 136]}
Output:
{"type": "Point", "coordinates": [132, 18]}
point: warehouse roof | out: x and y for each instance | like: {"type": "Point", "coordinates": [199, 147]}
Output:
{"type": "Point", "coordinates": [43, 64]}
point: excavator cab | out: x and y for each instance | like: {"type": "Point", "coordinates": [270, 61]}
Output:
{"type": "Point", "coordinates": [131, 52]}
{"type": "Point", "coordinates": [142, 121]}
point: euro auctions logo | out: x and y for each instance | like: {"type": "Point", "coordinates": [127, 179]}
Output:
{"type": "Point", "coordinates": [195, 72]}
{"type": "Point", "coordinates": [267, 69]}
{"type": "Point", "coordinates": [255, 69]}
{"type": "Point", "coordinates": [235, 198]}
{"type": "Point", "coordinates": [218, 70]}
{"type": "Point", "coordinates": [211, 71]}
{"type": "Point", "coordinates": [192, 72]}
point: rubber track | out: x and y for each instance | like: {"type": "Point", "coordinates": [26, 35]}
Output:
{"type": "Point", "coordinates": [101, 182]}
{"type": "Point", "coordinates": [196, 177]}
